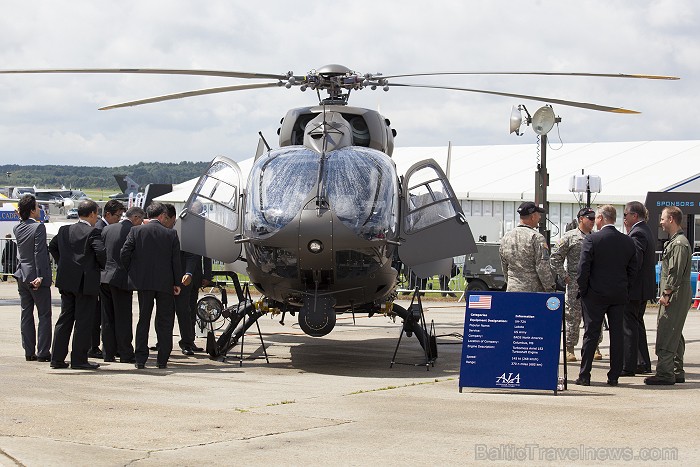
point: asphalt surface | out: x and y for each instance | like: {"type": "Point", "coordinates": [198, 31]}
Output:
{"type": "Point", "coordinates": [333, 400]}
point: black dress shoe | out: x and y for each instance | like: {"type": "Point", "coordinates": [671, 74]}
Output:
{"type": "Point", "coordinates": [44, 359]}
{"type": "Point", "coordinates": [140, 366]}
{"type": "Point", "coordinates": [197, 349]}
{"type": "Point", "coordinates": [656, 381]}
{"type": "Point", "coordinates": [59, 365]}
{"type": "Point", "coordinates": [627, 373]}
{"type": "Point", "coordinates": [680, 379]}
{"type": "Point", "coordinates": [187, 352]}
{"type": "Point", "coordinates": [153, 347]}
{"type": "Point", "coordinates": [641, 370]}
{"type": "Point", "coordinates": [162, 365]}
{"type": "Point", "coordinates": [85, 366]}
{"type": "Point", "coordinates": [30, 358]}
{"type": "Point", "coordinates": [612, 382]}
{"type": "Point", "coordinates": [110, 359]}
{"type": "Point", "coordinates": [95, 353]}
{"type": "Point", "coordinates": [127, 360]}
{"type": "Point", "coordinates": [583, 381]}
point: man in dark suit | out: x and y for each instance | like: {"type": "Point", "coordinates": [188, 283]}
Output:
{"type": "Point", "coordinates": [197, 273]}
{"type": "Point", "coordinates": [111, 214]}
{"type": "Point", "coordinates": [643, 288]}
{"type": "Point", "coordinates": [33, 276]}
{"type": "Point", "coordinates": [606, 269]}
{"type": "Point", "coordinates": [182, 300]}
{"type": "Point", "coordinates": [9, 257]}
{"type": "Point", "coordinates": [151, 256]}
{"type": "Point", "coordinates": [80, 254]}
{"type": "Point", "coordinates": [115, 296]}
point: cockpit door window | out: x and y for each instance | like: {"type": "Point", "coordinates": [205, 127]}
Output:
{"type": "Point", "coordinates": [433, 225]}
{"type": "Point", "coordinates": [211, 218]}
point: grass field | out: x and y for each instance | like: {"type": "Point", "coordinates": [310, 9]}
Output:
{"type": "Point", "coordinates": [99, 194]}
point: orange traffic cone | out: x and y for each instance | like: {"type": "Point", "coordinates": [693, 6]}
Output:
{"type": "Point", "coordinates": [696, 303]}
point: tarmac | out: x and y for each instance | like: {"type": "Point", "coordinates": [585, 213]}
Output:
{"type": "Point", "coordinates": [333, 400]}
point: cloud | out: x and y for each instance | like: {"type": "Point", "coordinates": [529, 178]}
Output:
{"type": "Point", "coordinates": [46, 118]}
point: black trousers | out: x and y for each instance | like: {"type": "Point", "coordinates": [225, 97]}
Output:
{"type": "Point", "coordinates": [77, 310]}
{"type": "Point", "coordinates": [165, 321]}
{"type": "Point", "coordinates": [643, 359]}
{"type": "Point", "coordinates": [194, 297]}
{"type": "Point", "coordinates": [96, 325]}
{"type": "Point", "coordinates": [636, 349]}
{"type": "Point", "coordinates": [594, 310]}
{"type": "Point", "coordinates": [117, 322]}
{"type": "Point", "coordinates": [184, 317]}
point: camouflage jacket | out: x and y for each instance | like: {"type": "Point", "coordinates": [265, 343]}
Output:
{"type": "Point", "coordinates": [568, 249]}
{"type": "Point", "coordinates": [525, 261]}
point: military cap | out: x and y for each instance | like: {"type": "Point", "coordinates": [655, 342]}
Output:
{"type": "Point", "coordinates": [586, 212]}
{"type": "Point", "coordinates": [528, 207]}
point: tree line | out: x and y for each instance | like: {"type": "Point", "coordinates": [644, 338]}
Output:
{"type": "Point", "coordinates": [83, 177]}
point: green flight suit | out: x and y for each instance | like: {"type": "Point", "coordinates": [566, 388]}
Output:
{"type": "Point", "coordinates": [675, 276]}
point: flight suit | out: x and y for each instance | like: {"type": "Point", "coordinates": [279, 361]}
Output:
{"type": "Point", "coordinates": [675, 276]}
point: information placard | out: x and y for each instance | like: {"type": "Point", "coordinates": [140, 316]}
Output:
{"type": "Point", "coordinates": [511, 340]}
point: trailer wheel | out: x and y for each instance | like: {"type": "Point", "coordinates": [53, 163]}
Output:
{"type": "Point", "coordinates": [477, 284]}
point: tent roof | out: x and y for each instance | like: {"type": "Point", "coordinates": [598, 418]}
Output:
{"type": "Point", "coordinates": [507, 172]}
{"type": "Point", "coordinates": [627, 170]}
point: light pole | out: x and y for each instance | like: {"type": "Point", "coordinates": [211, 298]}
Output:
{"type": "Point", "coordinates": [542, 122]}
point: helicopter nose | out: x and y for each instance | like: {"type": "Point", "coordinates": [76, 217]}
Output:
{"type": "Point", "coordinates": [315, 239]}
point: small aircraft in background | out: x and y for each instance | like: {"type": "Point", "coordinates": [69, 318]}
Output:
{"type": "Point", "coordinates": [128, 186]}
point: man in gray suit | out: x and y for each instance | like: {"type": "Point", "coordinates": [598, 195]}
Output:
{"type": "Point", "coordinates": [33, 280]}
{"type": "Point", "coordinates": [151, 256]}
{"type": "Point", "coordinates": [115, 296]}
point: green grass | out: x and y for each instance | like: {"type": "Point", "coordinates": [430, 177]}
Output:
{"type": "Point", "coordinates": [99, 194]}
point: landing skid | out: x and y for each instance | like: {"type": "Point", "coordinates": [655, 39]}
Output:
{"type": "Point", "coordinates": [241, 317]}
{"type": "Point", "coordinates": [414, 323]}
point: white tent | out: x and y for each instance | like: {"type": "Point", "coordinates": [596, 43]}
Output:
{"type": "Point", "coordinates": [491, 181]}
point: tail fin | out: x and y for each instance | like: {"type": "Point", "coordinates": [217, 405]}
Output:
{"type": "Point", "coordinates": [126, 184]}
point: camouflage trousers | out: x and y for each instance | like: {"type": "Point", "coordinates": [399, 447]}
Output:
{"type": "Point", "coordinates": [573, 316]}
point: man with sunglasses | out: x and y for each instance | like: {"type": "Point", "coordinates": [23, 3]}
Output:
{"type": "Point", "coordinates": [642, 288]}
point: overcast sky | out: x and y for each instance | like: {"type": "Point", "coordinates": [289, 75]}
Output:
{"type": "Point", "coordinates": [53, 119]}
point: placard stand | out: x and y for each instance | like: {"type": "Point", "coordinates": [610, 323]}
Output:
{"type": "Point", "coordinates": [511, 340]}
{"type": "Point", "coordinates": [414, 323]}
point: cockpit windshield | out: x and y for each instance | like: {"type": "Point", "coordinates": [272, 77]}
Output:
{"type": "Point", "coordinates": [361, 190]}
{"type": "Point", "coordinates": [279, 184]}
{"type": "Point", "coordinates": [358, 184]}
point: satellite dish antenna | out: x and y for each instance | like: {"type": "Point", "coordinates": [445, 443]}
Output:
{"type": "Point", "coordinates": [543, 120]}
{"type": "Point", "coordinates": [516, 120]}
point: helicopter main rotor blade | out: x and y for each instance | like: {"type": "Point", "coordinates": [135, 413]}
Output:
{"type": "Point", "coordinates": [201, 92]}
{"type": "Point", "coordinates": [153, 71]}
{"type": "Point", "coordinates": [583, 105]}
{"type": "Point", "coordinates": [537, 73]}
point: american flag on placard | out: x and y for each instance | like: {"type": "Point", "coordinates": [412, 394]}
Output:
{"type": "Point", "coordinates": [480, 301]}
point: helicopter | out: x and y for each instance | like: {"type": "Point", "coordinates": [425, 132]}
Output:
{"type": "Point", "coordinates": [323, 219]}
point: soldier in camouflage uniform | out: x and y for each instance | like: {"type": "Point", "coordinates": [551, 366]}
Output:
{"type": "Point", "coordinates": [674, 301]}
{"type": "Point", "coordinates": [568, 250]}
{"type": "Point", "coordinates": [525, 255]}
